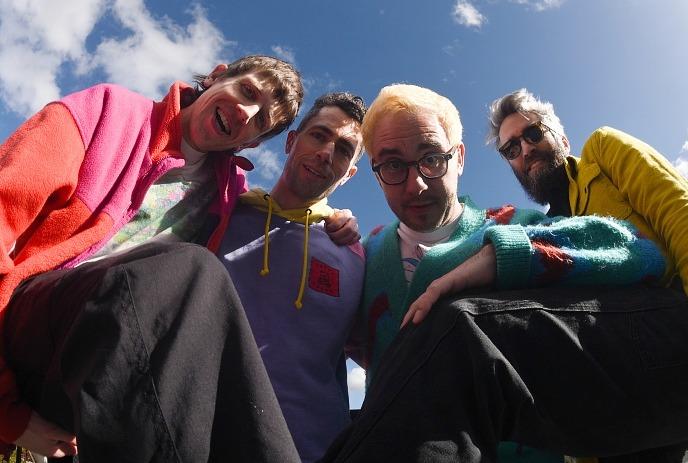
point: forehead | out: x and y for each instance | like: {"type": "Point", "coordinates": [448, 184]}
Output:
{"type": "Point", "coordinates": [407, 134]}
{"type": "Point", "coordinates": [513, 125]}
{"type": "Point", "coordinates": [336, 120]}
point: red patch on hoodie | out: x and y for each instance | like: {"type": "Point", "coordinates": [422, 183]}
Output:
{"type": "Point", "coordinates": [323, 278]}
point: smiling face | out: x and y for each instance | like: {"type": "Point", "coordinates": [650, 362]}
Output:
{"type": "Point", "coordinates": [422, 204]}
{"type": "Point", "coordinates": [231, 114]}
{"type": "Point", "coordinates": [540, 167]}
{"type": "Point", "coordinates": [321, 157]}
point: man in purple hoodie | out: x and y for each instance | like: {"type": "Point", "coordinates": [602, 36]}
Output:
{"type": "Point", "coordinates": [301, 291]}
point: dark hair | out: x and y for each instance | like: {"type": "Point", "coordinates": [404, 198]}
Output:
{"type": "Point", "coordinates": [352, 105]}
{"type": "Point", "coordinates": [287, 88]}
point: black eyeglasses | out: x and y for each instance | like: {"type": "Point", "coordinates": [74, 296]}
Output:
{"type": "Point", "coordinates": [533, 134]}
{"type": "Point", "coordinates": [395, 171]}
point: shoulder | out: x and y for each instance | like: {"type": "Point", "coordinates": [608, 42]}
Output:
{"type": "Point", "coordinates": [102, 96]}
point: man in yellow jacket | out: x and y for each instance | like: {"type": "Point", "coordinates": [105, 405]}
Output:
{"type": "Point", "coordinates": [616, 175]}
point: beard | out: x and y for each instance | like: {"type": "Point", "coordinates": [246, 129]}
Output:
{"type": "Point", "coordinates": [548, 181]}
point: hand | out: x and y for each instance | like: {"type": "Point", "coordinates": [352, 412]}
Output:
{"type": "Point", "coordinates": [479, 270]}
{"type": "Point", "coordinates": [342, 226]}
{"type": "Point", "coordinates": [46, 438]}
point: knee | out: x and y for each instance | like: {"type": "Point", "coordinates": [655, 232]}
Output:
{"type": "Point", "coordinates": [193, 263]}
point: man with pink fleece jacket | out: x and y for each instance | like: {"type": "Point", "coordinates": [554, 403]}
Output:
{"type": "Point", "coordinates": [134, 354]}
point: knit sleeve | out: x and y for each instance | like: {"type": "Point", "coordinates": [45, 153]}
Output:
{"type": "Point", "coordinates": [513, 252]}
{"type": "Point", "coordinates": [591, 250]}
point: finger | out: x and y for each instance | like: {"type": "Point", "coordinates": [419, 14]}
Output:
{"type": "Point", "coordinates": [408, 316]}
{"type": "Point", "coordinates": [345, 235]}
{"type": "Point", "coordinates": [422, 306]}
{"type": "Point", "coordinates": [58, 434]}
{"type": "Point", "coordinates": [338, 219]}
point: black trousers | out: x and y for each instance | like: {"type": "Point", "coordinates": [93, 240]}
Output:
{"type": "Point", "coordinates": [582, 372]}
{"type": "Point", "coordinates": [147, 357]}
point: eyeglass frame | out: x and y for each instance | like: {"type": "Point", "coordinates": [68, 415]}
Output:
{"type": "Point", "coordinates": [518, 139]}
{"type": "Point", "coordinates": [447, 155]}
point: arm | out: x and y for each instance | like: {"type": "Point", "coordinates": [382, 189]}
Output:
{"type": "Point", "coordinates": [39, 167]}
{"type": "Point", "coordinates": [653, 187]}
{"type": "Point", "coordinates": [479, 270]}
{"type": "Point", "coordinates": [342, 226]}
{"type": "Point", "coordinates": [563, 251]}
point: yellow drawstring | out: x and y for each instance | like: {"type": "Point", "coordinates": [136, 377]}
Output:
{"type": "Point", "coordinates": [298, 303]}
{"type": "Point", "coordinates": [265, 270]}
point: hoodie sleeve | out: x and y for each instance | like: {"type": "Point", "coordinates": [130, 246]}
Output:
{"type": "Point", "coordinates": [39, 169]}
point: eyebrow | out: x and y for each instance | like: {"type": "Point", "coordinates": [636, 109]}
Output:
{"type": "Point", "coordinates": [340, 140]}
{"type": "Point", "coordinates": [421, 146]}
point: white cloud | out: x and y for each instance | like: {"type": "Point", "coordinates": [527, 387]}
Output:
{"type": "Point", "coordinates": [682, 164]}
{"type": "Point", "coordinates": [285, 53]}
{"type": "Point", "coordinates": [467, 15]}
{"type": "Point", "coordinates": [356, 379]}
{"type": "Point", "coordinates": [540, 5]}
{"type": "Point", "coordinates": [268, 163]}
{"type": "Point", "coordinates": [684, 148]}
{"type": "Point", "coordinates": [158, 51]}
{"type": "Point", "coordinates": [34, 44]}
{"type": "Point", "coordinates": [320, 84]}
{"type": "Point", "coordinates": [36, 48]}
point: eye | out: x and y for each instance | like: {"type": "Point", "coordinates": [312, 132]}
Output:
{"type": "Point", "coordinates": [343, 149]}
{"type": "Point", "coordinates": [249, 92]}
{"type": "Point", "coordinates": [318, 135]}
{"type": "Point", "coordinates": [533, 134]}
{"type": "Point", "coordinates": [261, 120]}
{"type": "Point", "coordinates": [394, 165]}
{"type": "Point", "coordinates": [431, 160]}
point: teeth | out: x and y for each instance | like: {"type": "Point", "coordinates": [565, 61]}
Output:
{"type": "Point", "coordinates": [222, 121]}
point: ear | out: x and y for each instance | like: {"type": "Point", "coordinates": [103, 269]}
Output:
{"type": "Point", "coordinates": [460, 154]}
{"type": "Point", "coordinates": [351, 173]}
{"type": "Point", "coordinates": [291, 137]}
{"type": "Point", "coordinates": [565, 142]}
{"type": "Point", "coordinates": [214, 74]}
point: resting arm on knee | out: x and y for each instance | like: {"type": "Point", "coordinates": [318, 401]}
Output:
{"type": "Point", "coordinates": [478, 270]}
{"type": "Point", "coordinates": [563, 251]}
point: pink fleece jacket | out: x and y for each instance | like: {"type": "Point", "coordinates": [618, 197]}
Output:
{"type": "Point", "coordinates": [74, 174]}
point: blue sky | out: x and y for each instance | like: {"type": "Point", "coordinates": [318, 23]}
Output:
{"type": "Point", "coordinates": [622, 63]}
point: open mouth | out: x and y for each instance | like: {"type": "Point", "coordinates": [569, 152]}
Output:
{"type": "Point", "coordinates": [316, 173]}
{"type": "Point", "coordinates": [222, 122]}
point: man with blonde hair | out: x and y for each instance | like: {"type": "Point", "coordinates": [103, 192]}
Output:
{"type": "Point", "coordinates": [540, 367]}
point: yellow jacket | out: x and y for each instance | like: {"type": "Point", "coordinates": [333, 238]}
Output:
{"type": "Point", "coordinates": [620, 176]}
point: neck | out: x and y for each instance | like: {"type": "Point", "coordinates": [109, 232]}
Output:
{"type": "Point", "coordinates": [287, 199]}
{"type": "Point", "coordinates": [453, 214]}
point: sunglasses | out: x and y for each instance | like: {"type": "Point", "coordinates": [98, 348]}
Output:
{"type": "Point", "coordinates": [533, 134]}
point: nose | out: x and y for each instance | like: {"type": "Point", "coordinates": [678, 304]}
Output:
{"type": "Point", "coordinates": [415, 183]}
{"type": "Point", "coordinates": [526, 148]}
{"type": "Point", "coordinates": [246, 112]}
{"type": "Point", "coordinates": [325, 153]}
